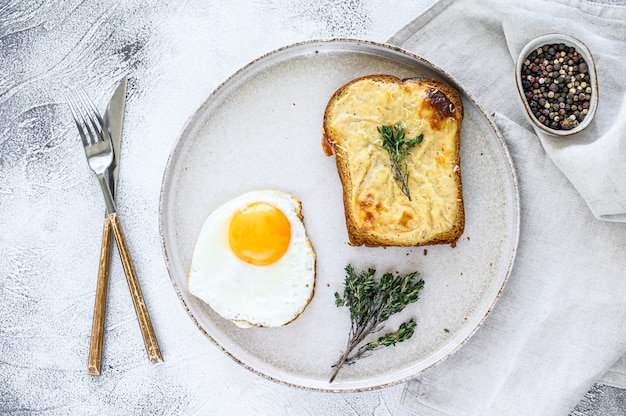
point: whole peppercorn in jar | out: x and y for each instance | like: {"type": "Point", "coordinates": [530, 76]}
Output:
{"type": "Point", "coordinates": [557, 83]}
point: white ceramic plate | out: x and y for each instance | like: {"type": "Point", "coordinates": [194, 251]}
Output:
{"type": "Point", "coordinates": [261, 129]}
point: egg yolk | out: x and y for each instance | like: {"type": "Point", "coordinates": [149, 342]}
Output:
{"type": "Point", "coordinates": [259, 234]}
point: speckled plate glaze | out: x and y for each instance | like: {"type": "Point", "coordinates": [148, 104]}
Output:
{"type": "Point", "coordinates": [261, 129]}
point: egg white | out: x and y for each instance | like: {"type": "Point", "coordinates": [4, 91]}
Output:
{"type": "Point", "coordinates": [246, 294]}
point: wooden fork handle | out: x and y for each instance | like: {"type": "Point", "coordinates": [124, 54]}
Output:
{"type": "Point", "coordinates": [99, 309]}
{"type": "Point", "coordinates": [149, 338]}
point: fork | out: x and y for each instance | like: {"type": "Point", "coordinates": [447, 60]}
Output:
{"type": "Point", "coordinates": [99, 152]}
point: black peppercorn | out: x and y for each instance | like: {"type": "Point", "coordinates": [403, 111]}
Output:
{"type": "Point", "coordinates": [556, 85]}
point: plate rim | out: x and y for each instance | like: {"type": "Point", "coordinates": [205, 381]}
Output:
{"type": "Point", "coordinates": [189, 125]}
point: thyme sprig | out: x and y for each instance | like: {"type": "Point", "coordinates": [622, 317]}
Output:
{"type": "Point", "coordinates": [371, 303]}
{"type": "Point", "coordinates": [399, 149]}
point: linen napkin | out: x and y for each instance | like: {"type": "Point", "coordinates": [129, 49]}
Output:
{"type": "Point", "coordinates": [560, 324]}
{"type": "Point", "coordinates": [595, 160]}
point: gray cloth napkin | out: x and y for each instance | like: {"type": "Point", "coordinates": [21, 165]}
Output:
{"type": "Point", "coordinates": [595, 160]}
{"type": "Point", "coordinates": [560, 325]}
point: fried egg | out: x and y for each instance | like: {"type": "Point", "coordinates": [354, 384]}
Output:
{"type": "Point", "coordinates": [253, 262]}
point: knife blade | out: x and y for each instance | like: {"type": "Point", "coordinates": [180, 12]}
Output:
{"type": "Point", "coordinates": [114, 121]}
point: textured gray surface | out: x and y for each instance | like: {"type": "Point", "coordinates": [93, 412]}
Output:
{"type": "Point", "coordinates": [602, 400]}
{"type": "Point", "coordinates": [176, 53]}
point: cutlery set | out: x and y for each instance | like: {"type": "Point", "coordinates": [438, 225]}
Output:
{"type": "Point", "coordinates": [101, 138]}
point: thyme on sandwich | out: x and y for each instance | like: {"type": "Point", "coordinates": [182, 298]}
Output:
{"type": "Point", "coordinates": [398, 149]}
{"type": "Point", "coordinates": [371, 303]}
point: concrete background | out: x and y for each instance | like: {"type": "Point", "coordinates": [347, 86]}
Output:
{"type": "Point", "coordinates": [176, 53]}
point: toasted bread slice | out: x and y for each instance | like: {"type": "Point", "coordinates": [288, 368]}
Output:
{"type": "Point", "coordinates": [377, 211]}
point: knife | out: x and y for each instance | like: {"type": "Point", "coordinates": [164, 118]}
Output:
{"type": "Point", "coordinates": [114, 119]}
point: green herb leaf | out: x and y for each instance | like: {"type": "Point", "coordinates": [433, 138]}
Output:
{"type": "Point", "coordinates": [404, 332]}
{"type": "Point", "coordinates": [399, 149]}
{"type": "Point", "coordinates": [371, 303]}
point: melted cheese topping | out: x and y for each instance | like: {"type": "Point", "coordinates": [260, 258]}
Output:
{"type": "Point", "coordinates": [379, 208]}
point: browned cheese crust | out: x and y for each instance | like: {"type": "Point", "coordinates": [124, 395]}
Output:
{"type": "Point", "coordinates": [377, 212]}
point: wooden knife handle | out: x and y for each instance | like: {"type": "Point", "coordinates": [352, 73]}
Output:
{"type": "Point", "coordinates": [99, 309]}
{"type": "Point", "coordinates": [149, 338]}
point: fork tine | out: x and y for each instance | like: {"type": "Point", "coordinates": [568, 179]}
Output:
{"type": "Point", "coordinates": [100, 127]}
{"type": "Point", "coordinates": [86, 117]}
{"type": "Point", "coordinates": [78, 117]}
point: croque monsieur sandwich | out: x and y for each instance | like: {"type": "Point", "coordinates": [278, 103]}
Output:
{"type": "Point", "coordinates": [396, 144]}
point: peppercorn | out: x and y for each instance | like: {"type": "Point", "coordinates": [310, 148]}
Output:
{"type": "Point", "coordinates": [556, 85]}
